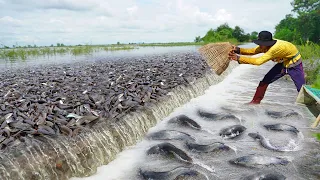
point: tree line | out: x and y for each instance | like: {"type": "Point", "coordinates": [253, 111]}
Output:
{"type": "Point", "coordinates": [303, 28]}
{"type": "Point", "coordinates": [226, 33]}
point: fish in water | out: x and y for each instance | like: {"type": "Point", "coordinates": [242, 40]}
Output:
{"type": "Point", "coordinates": [170, 135]}
{"type": "Point", "coordinates": [282, 114]}
{"type": "Point", "coordinates": [213, 147]}
{"type": "Point", "coordinates": [185, 121]}
{"type": "Point", "coordinates": [282, 127]}
{"type": "Point", "coordinates": [256, 160]}
{"type": "Point", "coordinates": [168, 175]}
{"type": "Point", "coordinates": [266, 143]}
{"type": "Point", "coordinates": [232, 131]}
{"type": "Point", "coordinates": [168, 149]}
{"type": "Point", "coordinates": [268, 175]}
{"type": "Point", "coordinates": [215, 116]}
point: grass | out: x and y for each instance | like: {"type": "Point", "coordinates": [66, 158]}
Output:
{"type": "Point", "coordinates": [311, 58]}
{"type": "Point", "coordinates": [24, 53]}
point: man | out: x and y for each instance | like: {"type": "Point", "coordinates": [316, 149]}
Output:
{"type": "Point", "coordinates": [286, 55]}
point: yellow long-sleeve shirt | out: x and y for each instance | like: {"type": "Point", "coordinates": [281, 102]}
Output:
{"type": "Point", "coordinates": [280, 51]}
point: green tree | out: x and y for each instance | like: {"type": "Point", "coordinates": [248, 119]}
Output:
{"type": "Point", "coordinates": [225, 33]}
{"type": "Point", "coordinates": [238, 33]}
{"type": "Point", "coordinates": [305, 5]}
{"type": "Point", "coordinates": [254, 35]}
{"type": "Point", "coordinates": [309, 26]}
{"type": "Point", "coordinates": [197, 39]}
{"type": "Point", "coordinates": [209, 36]}
{"type": "Point", "coordinates": [224, 26]}
{"type": "Point", "coordinates": [285, 34]}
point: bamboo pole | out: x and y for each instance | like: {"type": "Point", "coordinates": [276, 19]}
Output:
{"type": "Point", "coordinates": [316, 122]}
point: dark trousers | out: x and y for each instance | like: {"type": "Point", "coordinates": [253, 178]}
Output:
{"type": "Point", "coordinates": [296, 73]}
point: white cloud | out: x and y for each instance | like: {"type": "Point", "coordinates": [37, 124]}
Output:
{"type": "Point", "coordinates": [8, 20]}
{"type": "Point", "coordinates": [56, 21]}
{"type": "Point", "coordinates": [132, 10]}
{"type": "Point", "coordinates": [106, 21]}
{"type": "Point", "coordinates": [223, 16]}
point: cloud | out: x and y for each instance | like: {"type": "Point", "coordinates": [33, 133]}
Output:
{"type": "Point", "coordinates": [223, 16]}
{"type": "Point", "coordinates": [8, 20]}
{"type": "Point", "coordinates": [132, 10]}
{"type": "Point", "coordinates": [75, 5]}
{"type": "Point", "coordinates": [106, 21]}
{"type": "Point", "coordinates": [56, 21]}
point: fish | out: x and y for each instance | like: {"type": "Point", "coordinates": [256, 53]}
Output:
{"type": "Point", "coordinates": [168, 175]}
{"type": "Point", "coordinates": [216, 116]}
{"type": "Point", "coordinates": [213, 147]}
{"type": "Point", "coordinates": [65, 130]}
{"type": "Point", "coordinates": [232, 131]}
{"type": "Point", "coordinates": [185, 121]}
{"type": "Point", "coordinates": [258, 161]}
{"type": "Point", "coordinates": [282, 114]}
{"type": "Point", "coordinates": [266, 143]}
{"type": "Point", "coordinates": [43, 129]}
{"type": "Point", "coordinates": [168, 149]}
{"type": "Point", "coordinates": [267, 175]}
{"type": "Point", "coordinates": [72, 115]}
{"type": "Point", "coordinates": [170, 135]}
{"type": "Point", "coordinates": [282, 127]}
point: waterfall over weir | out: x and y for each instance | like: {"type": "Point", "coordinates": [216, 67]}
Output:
{"type": "Point", "coordinates": [287, 151]}
{"type": "Point", "coordinates": [63, 157]}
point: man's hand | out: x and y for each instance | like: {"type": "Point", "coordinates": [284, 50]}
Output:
{"type": "Point", "coordinates": [233, 56]}
{"type": "Point", "coordinates": [235, 49]}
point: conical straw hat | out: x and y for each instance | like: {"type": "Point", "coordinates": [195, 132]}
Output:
{"type": "Point", "coordinates": [216, 55]}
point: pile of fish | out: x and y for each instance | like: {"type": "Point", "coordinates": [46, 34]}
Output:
{"type": "Point", "coordinates": [178, 146]}
{"type": "Point", "coordinates": [172, 151]}
{"type": "Point", "coordinates": [68, 98]}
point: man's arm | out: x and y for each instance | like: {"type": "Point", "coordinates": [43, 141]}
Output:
{"type": "Point", "coordinates": [255, 61]}
{"type": "Point", "coordinates": [250, 51]}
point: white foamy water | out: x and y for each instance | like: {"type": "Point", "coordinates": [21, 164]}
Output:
{"type": "Point", "coordinates": [229, 96]}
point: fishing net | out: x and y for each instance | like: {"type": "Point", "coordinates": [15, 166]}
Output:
{"type": "Point", "coordinates": [216, 55]}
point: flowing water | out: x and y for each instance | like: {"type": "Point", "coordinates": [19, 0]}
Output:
{"type": "Point", "coordinates": [229, 96]}
{"type": "Point", "coordinates": [62, 158]}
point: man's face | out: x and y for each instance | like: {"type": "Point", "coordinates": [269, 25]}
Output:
{"type": "Point", "coordinates": [264, 48]}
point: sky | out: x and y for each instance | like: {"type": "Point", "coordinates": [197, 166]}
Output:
{"type": "Point", "coordinates": [72, 22]}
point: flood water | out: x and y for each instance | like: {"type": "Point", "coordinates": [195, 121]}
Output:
{"type": "Point", "coordinates": [230, 96]}
{"type": "Point", "coordinates": [96, 56]}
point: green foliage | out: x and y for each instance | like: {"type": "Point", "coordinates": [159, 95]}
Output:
{"type": "Point", "coordinates": [316, 83]}
{"type": "Point", "coordinates": [305, 5]}
{"type": "Point", "coordinates": [303, 28]}
{"type": "Point", "coordinates": [254, 35]}
{"type": "Point", "coordinates": [225, 33]}
{"type": "Point", "coordinates": [285, 34]}
{"type": "Point", "coordinates": [197, 39]}
{"type": "Point", "coordinates": [310, 53]}
{"type": "Point", "coordinates": [24, 53]}
{"type": "Point", "coordinates": [317, 135]}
